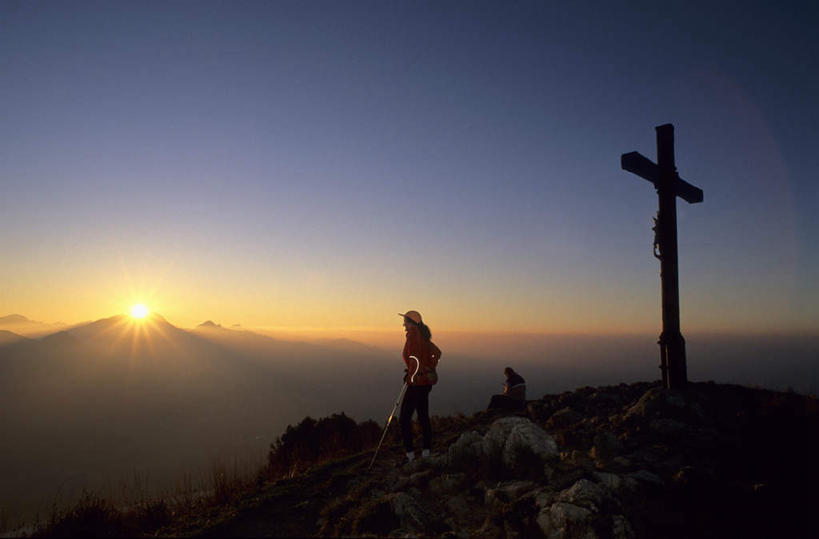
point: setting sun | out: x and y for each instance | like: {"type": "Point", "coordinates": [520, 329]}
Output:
{"type": "Point", "coordinates": [139, 311]}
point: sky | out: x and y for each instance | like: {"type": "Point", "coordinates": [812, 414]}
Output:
{"type": "Point", "coordinates": [323, 166]}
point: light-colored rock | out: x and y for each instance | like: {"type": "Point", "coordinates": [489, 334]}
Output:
{"type": "Point", "coordinates": [528, 438]}
{"type": "Point", "coordinates": [511, 438]}
{"type": "Point", "coordinates": [583, 493]}
{"type": "Point", "coordinates": [508, 491]}
{"type": "Point", "coordinates": [467, 448]}
{"type": "Point", "coordinates": [544, 498]}
{"type": "Point", "coordinates": [495, 439]}
{"type": "Point", "coordinates": [554, 519]}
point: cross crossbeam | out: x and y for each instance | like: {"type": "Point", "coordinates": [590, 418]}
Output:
{"type": "Point", "coordinates": [669, 186]}
{"type": "Point", "coordinates": [640, 165]}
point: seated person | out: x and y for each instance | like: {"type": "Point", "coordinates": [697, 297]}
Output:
{"type": "Point", "coordinates": [514, 392]}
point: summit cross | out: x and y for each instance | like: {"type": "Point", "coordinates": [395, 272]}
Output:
{"type": "Point", "coordinates": [669, 186]}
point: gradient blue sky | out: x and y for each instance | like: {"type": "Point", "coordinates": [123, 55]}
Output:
{"type": "Point", "coordinates": [327, 164]}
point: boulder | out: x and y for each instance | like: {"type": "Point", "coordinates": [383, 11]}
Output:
{"type": "Point", "coordinates": [468, 448]}
{"type": "Point", "coordinates": [615, 483]}
{"type": "Point", "coordinates": [516, 439]}
{"type": "Point", "coordinates": [563, 520]}
{"type": "Point", "coordinates": [508, 491]}
{"type": "Point", "coordinates": [410, 513]}
{"type": "Point", "coordinates": [583, 493]}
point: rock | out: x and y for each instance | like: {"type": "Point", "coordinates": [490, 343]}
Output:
{"type": "Point", "coordinates": [458, 505]}
{"type": "Point", "coordinates": [564, 418]}
{"type": "Point", "coordinates": [612, 482]}
{"type": "Point", "coordinates": [410, 513]}
{"type": "Point", "coordinates": [647, 477]}
{"type": "Point", "coordinates": [526, 439]}
{"type": "Point", "coordinates": [399, 484]}
{"type": "Point", "coordinates": [583, 493]}
{"type": "Point", "coordinates": [508, 491]}
{"type": "Point", "coordinates": [606, 444]}
{"type": "Point", "coordinates": [499, 431]}
{"type": "Point", "coordinates": [468, 448]}
{"type": "Point", "coordinates": [545, 498]}
{"type": "Point", "coordinates": [419, 479]}
{"type": "Point", "coordinates": [439, 462]}
{"type": "Point", "coordinates": [538, 411]}
{"type": "Point", "coordinates": [666, 403]}
{"type": "Point", "coordinates": [603, 398]}
{"type": "Point", "coordinates": [621, 529]}
{"type": "Point", "coordinates": [554, 520]}
{"type": "Point", "coordinates": [516, 441]}
{"type": "Point", "coordinates": [447, 483]}
{"type": "Point", "coordinates": [577, 459]}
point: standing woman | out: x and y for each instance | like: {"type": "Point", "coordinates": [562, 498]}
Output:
{"type": "Point", "coordinates": [420, 357]}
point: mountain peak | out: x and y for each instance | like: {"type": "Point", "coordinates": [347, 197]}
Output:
{"type": "Point", "coordinates": [14, 319]}
{"type": "Point", "coordinates": [209, 324]}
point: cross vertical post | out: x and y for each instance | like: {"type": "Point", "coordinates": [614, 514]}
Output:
{"type": "Point", "coordinates": [669, 186]}
{"type": "Point", "coordinates": [672, 344]}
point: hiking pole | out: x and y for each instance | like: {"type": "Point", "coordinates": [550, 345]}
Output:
{"type": "Point", "coordinates": [400, 396]}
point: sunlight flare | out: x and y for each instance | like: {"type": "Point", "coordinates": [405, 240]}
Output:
{"type": "Point", "coordinates": [139, 311]}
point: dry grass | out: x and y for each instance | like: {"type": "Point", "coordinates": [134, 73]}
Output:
{"type": "Point", "coordinates": [131, 510]}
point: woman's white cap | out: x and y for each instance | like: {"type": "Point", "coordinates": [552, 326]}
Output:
{"type": "Point", "coordinates": [415, 316]}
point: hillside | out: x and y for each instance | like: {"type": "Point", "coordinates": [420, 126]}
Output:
{"type": "Point", "coordinates": [99, 403]}
{"type": "Point", "coordinates": [618, 461]}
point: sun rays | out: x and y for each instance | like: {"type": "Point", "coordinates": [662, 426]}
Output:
{"type": "Point", "coordinates": [139, 311]}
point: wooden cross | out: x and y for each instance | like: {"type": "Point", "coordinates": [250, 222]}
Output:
{"type": "Point", "coordinates": [669, 186]}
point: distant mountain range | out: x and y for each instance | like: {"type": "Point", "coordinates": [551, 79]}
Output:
{"type": "Point", "coordinates": [14, 319]}
{"type": "Point", "coordinates": [92, 404]}
{"type": "Point", "coordinates": [21, 325]}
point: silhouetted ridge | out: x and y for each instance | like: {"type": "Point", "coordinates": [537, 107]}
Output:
{"type": "Point", "coordinates": [14, 319]}
{"type": "Point", "coordinates": [209, 324]}
{"type": "Point", "coordinates": [7, 337]}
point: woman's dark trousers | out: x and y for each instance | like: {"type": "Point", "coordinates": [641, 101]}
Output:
{"type": "Point", "coordinates": [416, 398]}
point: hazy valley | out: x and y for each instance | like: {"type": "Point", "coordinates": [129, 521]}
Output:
{"type": "Point", "coordinates": [102, 403]}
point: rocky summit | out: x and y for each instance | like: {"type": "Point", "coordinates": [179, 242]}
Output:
{"type": "Point", "coordinates": [623, 461]}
